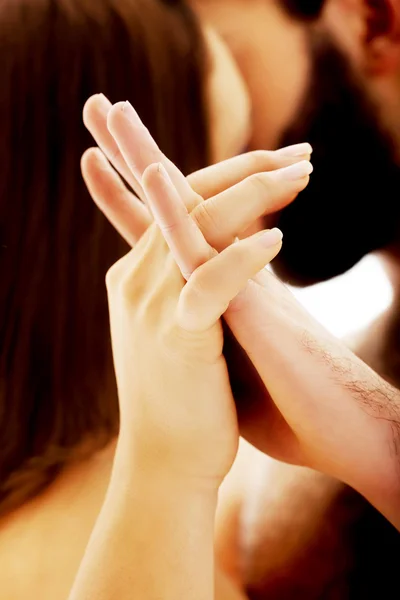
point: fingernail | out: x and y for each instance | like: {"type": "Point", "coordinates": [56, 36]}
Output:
{"type": "Point", "coordinates": [295, 171]}
{"type": "Point", "coordinates": [271, 238]}
{"type": "Point", "coordinates": [163, 172]}
{"type": "Point", "coordinates": [131, 113]}
{"type": "Point", "coordinates": [296, 150]}
{"type": "Point", "coordinates": [105, 104]}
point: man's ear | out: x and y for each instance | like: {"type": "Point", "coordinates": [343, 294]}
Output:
{"type": "Point", "coordinates": [382, 38]}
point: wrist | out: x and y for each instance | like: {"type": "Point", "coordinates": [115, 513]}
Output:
{"type": "Point", "coordinates": [132, 469]}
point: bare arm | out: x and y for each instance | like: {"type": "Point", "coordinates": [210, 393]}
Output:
{"type": "Point", "coordinates": [152, 540]}
{"type": "Point", "coordinates": [344, 417]}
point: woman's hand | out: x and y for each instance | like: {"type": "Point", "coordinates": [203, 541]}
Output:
{"type": "Point", "coordinates": [224, 199]}
{"type": "Point", "coordinates": [177, 410]}
{"type": "Point", "coordinates": [154, 536]}
{"type": "Point", "coordinates": [178, 438]}
{"type": "Point", "coordinates": [179, 434]}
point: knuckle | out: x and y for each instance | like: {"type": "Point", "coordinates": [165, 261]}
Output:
{"type": "Point", "coordinates": [113, 276]}
{"type": "Point", "coordinates": [260, 183]}
{"type": "Point", "coordinates": [238, 255]}
{"type": "Point", "coordinates": [197, 287]}
{"type": "Point", "coordinates": [206, 216]}
{"type": "Point", "coordinates": [122, 277]}
{"type": "Point", "coordinates": [186, 314]}
{"type": "Point", "coordinates": [169, 228]}
{"type": "Point", "coordinates": [258, 160]}
{"type": "Point", "coordinates": [195, 199]}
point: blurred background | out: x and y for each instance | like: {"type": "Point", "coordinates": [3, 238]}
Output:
{"type": "Point", "coordinates": [351, 301]}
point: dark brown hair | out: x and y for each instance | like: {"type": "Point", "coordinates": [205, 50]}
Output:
{"type": "Point", "coordinates": [304, 9]}
{"type": "Point", "coordinates": [57, 389]}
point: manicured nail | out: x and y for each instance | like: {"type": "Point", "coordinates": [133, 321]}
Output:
{"type": "Point", "coordinates": [295, 171]}
{"type": "Point", "coordinates": [131, 113]}
{"type": "Point", "coordinates": [101, 160]}
{"type": "Point", "coordinates": [296, 150]}
{"type": "Point", "coordinates": [160, 171]}
{"type": "Point", "coordinates": [103, 103]}
{"type": "Point", "coordinates": [163, 172]}
{"type": "Point", "coordinates": [271, 238]}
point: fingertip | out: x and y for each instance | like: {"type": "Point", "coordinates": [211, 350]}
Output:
{"type": "Point", "coordinates": [87, 158]}
{"type": "Point", "coordinates": [152, 170]}
{"type": "Point", "coordinates": [304, 181]}
{"type": "Point", "coordinates": [297, 150]}
{"type": "Point", "coordinates": [93, 154]}
{"type": "Point", "coordinates": [270, 238]}
{"type": "Point", "coordinates": [120, 113]}
{"type": "Point", "coordinates": [295, 173]}
{"type": "Point", "coordinates": [96, 106]}
{"type": "Point", "coordinates": [114, 115]}
{"type": "Point", "coordinates": [155, 171]}
{"type": "Point", "coordinates": [93, 159]}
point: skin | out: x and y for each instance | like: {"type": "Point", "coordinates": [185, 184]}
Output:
{"type": "Point", "coordinates": [26, 534]}
{"type": "Point", "coordinates": [270, 50]}
{"type": "Point", "coordinates": [253, 30]}
{"type": "Point", "coordinates": [300, 425]}
{"type": "Point", "coordinates": [166, 505]}
{"type": "Point", "coordinates": [29, 532]}
{"type": "Point", "coordinates": [377, 60]}
{"type": "Point", "coordinates": [36, 525]}
{"type": "Point", "coordinates": [314, 342]}
{"type": "Point", "coordinates": [82, 478]}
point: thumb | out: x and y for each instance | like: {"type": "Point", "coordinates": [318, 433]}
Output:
{"type": "Point", "coordinates": [213, 285]}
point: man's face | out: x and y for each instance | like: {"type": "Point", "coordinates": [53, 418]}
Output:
{"type": "Point", "coordinates": [351, 206]}
{"type": "Point", "coordinates": [271, 51]}
{"type": "Point", "coordinates": [304, 85]}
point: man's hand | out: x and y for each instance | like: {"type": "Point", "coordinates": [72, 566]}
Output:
{"type": "Point", "coordinates": [225, 198]}
{"type": "Point", "coordinates": [328, 410]}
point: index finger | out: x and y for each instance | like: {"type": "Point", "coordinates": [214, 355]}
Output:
{"type": "Point", "coordinates": [139, 150]}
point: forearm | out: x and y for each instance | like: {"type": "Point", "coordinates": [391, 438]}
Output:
{"type": "Point", "coordinates": [345, 417]}
{"type": "Point", "coordinates": [153, 540]}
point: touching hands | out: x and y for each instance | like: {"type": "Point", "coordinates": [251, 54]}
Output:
{"type": "Point", "coordinates": [324, 408]}
{"type": "Point", "coordinates": [224, 200]}
{"type": "Point", "coordinates": [177, 410]}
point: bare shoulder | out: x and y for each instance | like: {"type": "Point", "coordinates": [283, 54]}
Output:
{"type": "Point", "coordinates": [42, 542]}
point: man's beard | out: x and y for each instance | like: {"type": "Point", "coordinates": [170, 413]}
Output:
{"type": "Point", "coordinates": [352, 205]}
